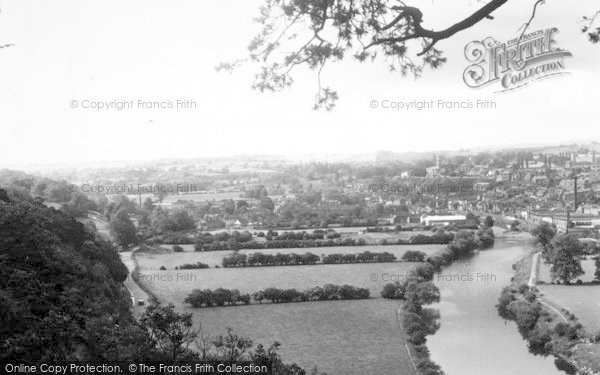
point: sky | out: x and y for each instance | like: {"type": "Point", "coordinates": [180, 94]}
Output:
{"type": "Point", "coordinates": [101, 51]}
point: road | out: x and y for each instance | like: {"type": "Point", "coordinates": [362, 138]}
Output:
{"type": "Point", "coordinates": [135, 291]}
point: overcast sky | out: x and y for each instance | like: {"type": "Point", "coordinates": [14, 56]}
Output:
{"type": "Point", "coordinates": [167, 50]}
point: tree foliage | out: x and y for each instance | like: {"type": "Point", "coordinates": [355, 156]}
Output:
{"type": "Point", "coordinates": [564, 256]}
{"type": "Point", "coordinates": [312, 33]}
{"type": "Point", "coordinates": [123, 229]}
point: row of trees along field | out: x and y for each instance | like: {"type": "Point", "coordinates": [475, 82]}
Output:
{"type": "Point", "coordinates": [244, 240]}
{"type": "Point", "coordinates": [232, 297]}
{"type": "Point", "coordinates": [293, 259]}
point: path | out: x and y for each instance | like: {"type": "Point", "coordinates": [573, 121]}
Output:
{"type": "Point", "coordinates": [135, 291]}
{"type": "Point", "coordinates": [535, 268]}
{"type": "Point", "coordinates": [412, 362]}
{"type": "Point", "coordinates": [555, 310]}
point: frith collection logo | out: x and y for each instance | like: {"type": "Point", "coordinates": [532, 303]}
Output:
{"type": "Point", "coordinates": [515, 63]}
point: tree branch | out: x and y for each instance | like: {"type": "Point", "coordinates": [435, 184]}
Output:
{"type": "Point", "coordinates": [414, 18]}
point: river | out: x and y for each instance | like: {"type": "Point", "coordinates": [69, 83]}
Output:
{"type": "Point", "coordinates": [473, 338]}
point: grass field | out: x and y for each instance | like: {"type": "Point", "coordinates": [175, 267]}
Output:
{"type": "Point", "coordinates": [588, 267]}
{"type": "Point", "coordinates": [354, 337]}
{"type": "Point", "coordinates": [581, 300]}
{"type": "Point", "coordinates": [588, 354]}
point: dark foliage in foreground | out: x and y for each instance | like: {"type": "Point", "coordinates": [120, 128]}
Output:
{"type": "Point", "coordinates": [62, 299]}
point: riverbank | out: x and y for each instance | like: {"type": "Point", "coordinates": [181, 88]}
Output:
{"type": "Point", "coordinates": [550, 330]}
{"type": "Point", "coordinates": [417, 321]}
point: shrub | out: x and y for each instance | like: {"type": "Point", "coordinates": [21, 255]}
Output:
{"type": "Point", "coordinates": [561, 328]}
{"type": "Point", "coordinates": [414, 256]}
{"type": "Point", "coordinates": [423, 272]}
{"type": "Point", "coordinates": [177, 249]}
{"type": "Point", "coordinates": [193, 266]}
{"type": "Point", "coordinates": [539, 341]}
{"type": "Point", "coordinates": [393, 291]}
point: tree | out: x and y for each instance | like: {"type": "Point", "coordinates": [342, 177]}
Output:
{"type": "Point", "coordinates": [148, 205]}
{"type": "Point", "coordinates": [58, 192]}
{"type": "Point", "coordinates": [267, 204]}
{"type": "Point", "coordinates": [464, 243]}
{"type": "Point", "coordinates": [593, 34]}
{"type": "Point", "coordinates": [60, 291]}
{"type": "Point", "coordinates": [514, 225]}
{"type": "Point", "coordinates": [421, 293]}
{"type": "Point", "coordinates": [159, 220]}
{"type": "Point", "coordinates": [79, 205]}
{"type": "Point", "coordinates": [423, 272]}
{"type": "Point", "coordinates": [232, 347]}
{"type": "Point", "coordinates": [489, 221]}
{"type": "Point", "coordinates": [181, 220]}
{"type": "Point", "coordinates": [393, 291]}
{"type": "Point", "coordinates": [173, 332]}
{"type": "Point", "coordinates": [486, 237]}
{"type": "Point", "coordinates": [544, 233]}
{"type": "Point", "coordinates": [313, 32]}
{"type": "Point", "coordinates": [563, 254]}
{"type": "Point", "coordinates": [122, 229]}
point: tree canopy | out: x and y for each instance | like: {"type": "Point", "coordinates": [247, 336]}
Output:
{"type": "Point", "coordinates": [314, 32]}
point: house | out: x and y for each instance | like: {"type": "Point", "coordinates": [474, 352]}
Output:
{"type": "Point", "coordinates": [443, 220]}
{"type": "Point", "coordinates": [233, 224]}
{"type": "Point", "coordinates": [386, 220]}
{"type": "Point", "coordinates": [569, 184]}
{"type": "Point", "coordinates": [589, 209]}
{"type": "Point", "coordinates": [540, 180]}
{"type": "Point", "coordinates": [504, 177]}
{"type": "Point", "coordinates": [432, 171]}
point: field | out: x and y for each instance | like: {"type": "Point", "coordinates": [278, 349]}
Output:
{"type": "Point", "coordinates": [175, 285]}
{"type": "Point", "coordinates": [588, 267]}
{"type": "Point", "coordinates": [154, 261]}
{"type": "Point", "coordinates": [342, 337]}
{"type": "Point", "coordinates": [581, 300]}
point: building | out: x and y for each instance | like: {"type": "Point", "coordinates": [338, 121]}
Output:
{"type": "Point", "coordinates": [560, 219]}
{"type": "Point", "coordinates": [233, 224]}
{"type": "Point", "coordinates": [504, 177]}
{"type": "Point", "coordinates": [569, 184]}
{"type": "Point", "coordinates": [443, 220]}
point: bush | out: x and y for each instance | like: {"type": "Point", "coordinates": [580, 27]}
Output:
{"type": "Point", "coordinates": [414, 256]}
{"type": "Point", "coordinates": [195, 266]}
{"type": "Point", "coordinates": [423, 272]}
{"type": "Point", "coordinates": [561, 328]}
{"type": "Point", "coordinates": [539, 341]}
{"type": "Point", "coordinates": [564, 365]}
{"type": "Point", "coordinates": [428, 367]}
{"type": "Point", "coordinates": [177, 249]}
{"type": "Point", "coordinates": [393, 291]}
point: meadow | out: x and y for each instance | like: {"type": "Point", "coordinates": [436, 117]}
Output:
{"type": "Point", "coordinates": [581, 300]}
{"type": "Point", "coordinates": [341, 337]}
